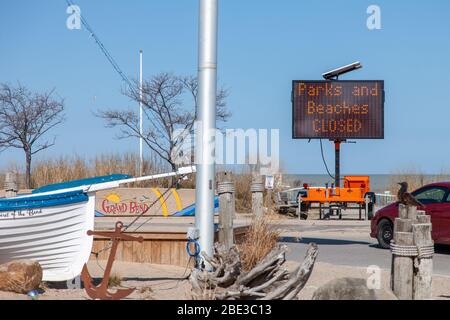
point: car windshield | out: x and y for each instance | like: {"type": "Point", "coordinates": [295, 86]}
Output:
{"type": "Point", "coordinates": [430, 195]}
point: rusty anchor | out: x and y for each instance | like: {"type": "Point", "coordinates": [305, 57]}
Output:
{"type": "Point", "coordinates": [101, 292]}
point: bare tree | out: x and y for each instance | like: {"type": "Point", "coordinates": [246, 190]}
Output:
{"type": "Point", "coordinates": [25, 117]}
{"type": "Point", "coordinates": [170, 103]}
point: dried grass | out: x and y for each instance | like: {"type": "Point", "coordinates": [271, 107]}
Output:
{"type": "Point", "coordinates": [207, 294]}
{"type": "Point", "coordinates": [415, 179]}
{"type": "Point", "coordinates": [115, 280]}
{"type": "Point", "coordinates": [258, 242]}
{"type": "Point", "coordinates": [66, 168]}
{"type": "Point", "coordinates": [243, 195]}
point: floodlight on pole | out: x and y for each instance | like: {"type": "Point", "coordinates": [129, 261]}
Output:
{"type": "Point", "coordinates": [341, 70]}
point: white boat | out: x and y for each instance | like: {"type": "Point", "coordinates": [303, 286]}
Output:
{"type": "Point", "coordinates": [50, 225]}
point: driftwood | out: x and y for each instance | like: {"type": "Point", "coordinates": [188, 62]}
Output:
{"type": "Point", "coordinates": [269, 280]}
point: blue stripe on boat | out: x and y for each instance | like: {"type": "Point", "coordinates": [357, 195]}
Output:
{"type": "Point", "coordinates": [82, 182]}
{"type": "Point", "coordinates": [98, 214]}
{"type": "Point", "coordinates": [190, 211]}
{"type": "Point", "coordinates": [35, 202]}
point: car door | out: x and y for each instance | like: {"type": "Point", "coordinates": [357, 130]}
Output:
{"type": "Point", "coordinates": [433, 199]}
{"type": "Point", "coordinates": [442, 217]}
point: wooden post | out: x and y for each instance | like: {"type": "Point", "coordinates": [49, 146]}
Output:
{"type": "Point", "coordinates": [412, 213]}
{"type": "Point", "coordinates": [226, 190]}
{"type": "Point", "coordinates": [10, 185]}
{"type": "Point", "coordinates": [411, 276]}
{"type": "Point", "coordinates": [269, 199]}
{"type": "Point", "coordinates": [402, 267]}
{"type": "Point", "coordinates": [424, 272]}
{"type": "Point", "coordinates": [422, 217]}
{"type": "Point", "coordinates": [257, 189]}
{"type": "Point", "coordinates": [299, 209]}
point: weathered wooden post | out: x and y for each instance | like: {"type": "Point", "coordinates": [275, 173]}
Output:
{"type": "Point", "coordinates": [257, 189]}
{"type": "Point", "coordinates": [269, 200]}
{"type": "Point", "coordinates": [402, 266]}
{"type": "Point", "coordinates": [269, 186]}
{"type": "Point", "coordinates": [423, 266]}
{"type": "Point", "coordinates": [412, 250]}
{"type": "Point", "coordinates": [10, 185]}
{"type": "Point", "coordinates": [226, 190]}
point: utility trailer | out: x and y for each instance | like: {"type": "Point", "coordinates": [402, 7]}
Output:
{"type": "Point", "coordinates": [355, 194]}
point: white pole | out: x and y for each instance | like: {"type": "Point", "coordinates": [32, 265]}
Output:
{"type": "Point", "coordinates": [141, 160]}
{"type": "Point", "coordinates": [117, 183]}
{"type": "Point", "coordinates": [206, 124]}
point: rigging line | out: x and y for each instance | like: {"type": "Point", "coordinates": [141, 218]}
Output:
{"type": "Point", "coordinates": [111, 59]}
{"type": "Point", "coordinates": [182, 278]}
{"type": "Point", "coordinates": [156, 201]}
{"type": "Point", "coordinates": [104, 50]}
{"type": "Point", "coordinates": [160, 205]}
{"type": "Point", "coordinates": [108, 246]}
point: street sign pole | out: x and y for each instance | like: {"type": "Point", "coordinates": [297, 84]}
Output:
{"type": "Point", "coordinates": [337, 160]}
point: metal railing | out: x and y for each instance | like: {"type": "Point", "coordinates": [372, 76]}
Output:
{"type": "Point", "coordinates": [384, 199]}
{"type": "Point", "coordinates": [289, 196]}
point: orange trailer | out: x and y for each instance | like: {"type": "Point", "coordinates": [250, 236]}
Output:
{"type": "Point", "coordinates": [356, 191]}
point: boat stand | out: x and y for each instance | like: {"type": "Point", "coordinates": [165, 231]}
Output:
{"type": "Point", "coordinates": [101, 292]}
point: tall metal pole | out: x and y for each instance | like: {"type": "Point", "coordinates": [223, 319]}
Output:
{"type": "Point", "coordinates": [206, 124]}
{"type": "Point", "coordinates": [337, 162]}
{"type": "Point", "coordinates": [141, 158]}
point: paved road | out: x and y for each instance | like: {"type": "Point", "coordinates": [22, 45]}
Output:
{"type": "Point", "coordinates": [347, 243]}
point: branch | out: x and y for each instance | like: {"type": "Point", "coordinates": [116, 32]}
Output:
{"type": "Point", "coordinates": [293, 286]}
{"type": "Point", "coordinates": [272, 259]}
{"type": "Point", "coordinates": [25, 117]}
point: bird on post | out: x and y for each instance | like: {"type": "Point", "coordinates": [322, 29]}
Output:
{"type": "Point", "coordinates": [407, 198]}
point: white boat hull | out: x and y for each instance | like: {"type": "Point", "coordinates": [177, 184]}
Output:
{"type": "Point", "coordinates": [56, 237]}
{"type": "Point", "coordinates": [55, 234]}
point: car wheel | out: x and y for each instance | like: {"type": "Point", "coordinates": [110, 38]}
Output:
{"type": "Point", "coordinates": [385, 233]}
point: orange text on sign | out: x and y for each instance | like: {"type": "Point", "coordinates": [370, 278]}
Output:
{"type": "Point", "coordinates": [337, 126]}
{"type": "Point", "coordinates": [332, 90]}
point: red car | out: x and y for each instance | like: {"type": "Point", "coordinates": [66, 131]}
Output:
{"type": "Point", "coordinates": [436, 200]}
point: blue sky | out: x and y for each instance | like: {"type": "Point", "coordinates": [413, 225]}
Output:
{"type": "Point", "coordinates": [263, 46]}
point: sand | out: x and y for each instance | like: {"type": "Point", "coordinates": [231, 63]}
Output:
{"type": "Point", "coordinates": [158, 282]}
{"type": "Point", "coordinates": [162, 282]}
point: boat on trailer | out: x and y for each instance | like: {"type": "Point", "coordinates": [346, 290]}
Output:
{"type": "Point", "coordinates": [50, 225]}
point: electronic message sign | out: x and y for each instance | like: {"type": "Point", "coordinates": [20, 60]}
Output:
{"type": "Point", "coordinates": [338, 109]}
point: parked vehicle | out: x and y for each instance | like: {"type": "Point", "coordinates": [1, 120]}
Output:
{"type": "Point", "coordinates": [436, 200]}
